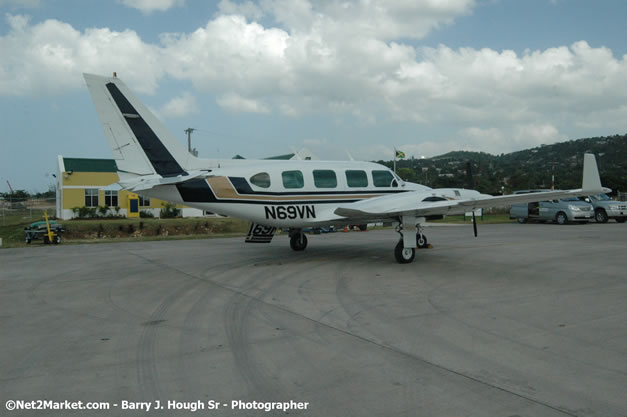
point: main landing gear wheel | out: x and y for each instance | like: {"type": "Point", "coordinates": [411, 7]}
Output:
{"type": "Point", "coordinates": [403, 255]}
{"type": "Point", "coordinates": [421, 240]}
{"type": "Point", "coordinates": [298, 242]}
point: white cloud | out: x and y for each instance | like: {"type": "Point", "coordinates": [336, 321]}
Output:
{"type": "Point", "coordinates": [492, 140]}
{"type": "Point", "coordinates": [50, 57]}
{"type": "Point", "coordinates": [180, 106]}
{"type": "Point", "coordinates": [247, 9]}
{"type": "Point", "coordinates": [345, 59]}
{"type": "Point", "coordinates": [149, 6]}
{"type": "Point", "coordinates": [236, 103]}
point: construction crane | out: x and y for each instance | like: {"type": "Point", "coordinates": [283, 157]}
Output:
{"type": "Point", "coordinates": [10, 188]}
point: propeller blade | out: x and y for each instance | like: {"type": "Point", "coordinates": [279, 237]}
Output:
{"type": "Point", "coordinates": [474, 223]}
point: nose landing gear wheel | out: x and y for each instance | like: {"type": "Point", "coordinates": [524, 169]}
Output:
{"type": "Point", "coordinates": [403, 255]}
{"type": "Point", "coordinates": [298, 242]}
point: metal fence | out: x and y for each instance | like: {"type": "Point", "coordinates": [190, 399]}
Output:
{"type": "Point", "coordinates": [24, 211]}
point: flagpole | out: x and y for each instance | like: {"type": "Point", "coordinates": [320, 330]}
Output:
{"type": "Point", "coordinates": [395, 160]}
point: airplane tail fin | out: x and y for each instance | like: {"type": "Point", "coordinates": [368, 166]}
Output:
{"type": "Point", "coordinates": [140, 143]}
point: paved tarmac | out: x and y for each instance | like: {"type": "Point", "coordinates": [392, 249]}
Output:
{"type": "Point", "coordinates": [526, 320]}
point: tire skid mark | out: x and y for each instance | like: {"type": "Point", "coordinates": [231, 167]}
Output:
{"type": "Point", "coordinates": [191, 334]}
{"type": "Point", "coordinates": [237, 314]}
{"type": "Point", "coordinates": [400, 352]}
{"type": "Point", "coordinates": [147, 371]}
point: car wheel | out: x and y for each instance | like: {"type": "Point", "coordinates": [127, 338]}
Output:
{"type": "Point", "coordinates": [561, 218]}
{"type": "Point", "coordinates": [600, 216]}
{"type": "Point", "coordinates": [521, 220]}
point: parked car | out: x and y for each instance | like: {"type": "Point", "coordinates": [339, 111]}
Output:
{"type": "Point", "coordinates": [605, 208]}
{"type": "Point", "coordinates": [560, 211]}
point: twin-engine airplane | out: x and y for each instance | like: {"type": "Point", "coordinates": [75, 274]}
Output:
{"type": "Point", "coordinates": [291, 194]}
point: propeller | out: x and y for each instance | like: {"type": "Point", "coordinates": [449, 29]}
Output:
{"type": "Point", "coordinates": [474, 223]}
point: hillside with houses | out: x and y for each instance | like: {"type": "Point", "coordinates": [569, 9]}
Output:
{"type": "Point", "coordinates": [559, 165]}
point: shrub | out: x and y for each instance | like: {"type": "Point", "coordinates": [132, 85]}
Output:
{"type": "Point", "coordinates": [102, 210]}
{"type": "Point", "coordinates": [144, 214]}
{"type": "Point", "coordinates": [84, 212]}
{"type": "Point", "coordinates": [169, 211]}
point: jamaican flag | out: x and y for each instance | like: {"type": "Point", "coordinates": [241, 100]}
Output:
{"type": "Point", "coordinates": [399, 154]}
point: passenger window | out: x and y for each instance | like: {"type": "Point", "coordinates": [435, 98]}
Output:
{"type": "Point", "coordinates": [356, 178]}
{"type": "Point", "coordinates": [293, 179]}
{"type": "Point", "coordinates": [324, 178]}
{"type": "Point", "coordinates": [261, 180]}
{"type": "Point", "coordinates": [382, 178]}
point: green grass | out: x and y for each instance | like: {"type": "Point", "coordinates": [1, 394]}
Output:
{"type": "Point", "coordinates": [131, 230]}
{"type": "Point", "coordinates": [114, 230]}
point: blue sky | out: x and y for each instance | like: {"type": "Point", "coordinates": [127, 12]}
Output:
{"type": "Point", "coordinates": [261, 78]}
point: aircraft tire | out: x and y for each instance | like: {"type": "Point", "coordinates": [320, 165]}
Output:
{"type": "Point", "coordinates": [421, 240]}
{"type": "Point", "coordinates": [402, 255]}
{"type": "Point", "coordinates": [298, 242]}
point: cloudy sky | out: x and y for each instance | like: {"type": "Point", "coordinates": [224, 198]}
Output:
{"type": "Point", "coordinates": [263, 77]}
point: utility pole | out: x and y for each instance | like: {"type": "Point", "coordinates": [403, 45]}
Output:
{"type": "Point", "coordinates": [189, 131]}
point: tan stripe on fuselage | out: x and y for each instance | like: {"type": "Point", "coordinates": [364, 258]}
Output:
{"type": "Point", "coordinates": [224, 190]}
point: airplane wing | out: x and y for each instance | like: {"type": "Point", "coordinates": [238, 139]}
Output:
{"type": "Point", "coordinates": [411, 204]}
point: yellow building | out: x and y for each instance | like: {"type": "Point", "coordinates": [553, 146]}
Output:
{"type": "Point", "coordinates": [92, 183]}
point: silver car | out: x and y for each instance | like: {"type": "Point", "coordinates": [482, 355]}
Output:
{"type": "Point", "coordinates": [560, 211]}
{"type": "Point", "coordinates": [605, 208]}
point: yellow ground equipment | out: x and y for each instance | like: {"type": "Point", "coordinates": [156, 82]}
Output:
{"type": "Point", "coordinates": [48, 230]}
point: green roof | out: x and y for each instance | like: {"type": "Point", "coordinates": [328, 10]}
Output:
{"type": "Point", "coordinates": [284, 157]}
{"type": "Point", "coordinates": [89, 165]}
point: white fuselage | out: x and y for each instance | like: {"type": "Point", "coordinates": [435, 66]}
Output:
{"type": "Point", "coordinates": [291, 193]}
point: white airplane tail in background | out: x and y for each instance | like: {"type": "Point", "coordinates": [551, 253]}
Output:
{"type": "Point", "coordinates": [140, 143]}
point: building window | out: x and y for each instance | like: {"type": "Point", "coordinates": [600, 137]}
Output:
{"type": "Point", "coordinates": [293, 179]}
{"type": "Point", "coordinates": [144, 201]}
{"type": "Point", "coordinates": [324, 178]}
{"type": "Point", "coordinates": [356, 178]}
{"type": "Point", "coordinates": [261, 180]}
{"type": "Point", "coordinates": [91, 197]}
{"type": "Point", "coordinates": [111, 198]}
{"type": "Point", "coordinates": [382, 178]}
